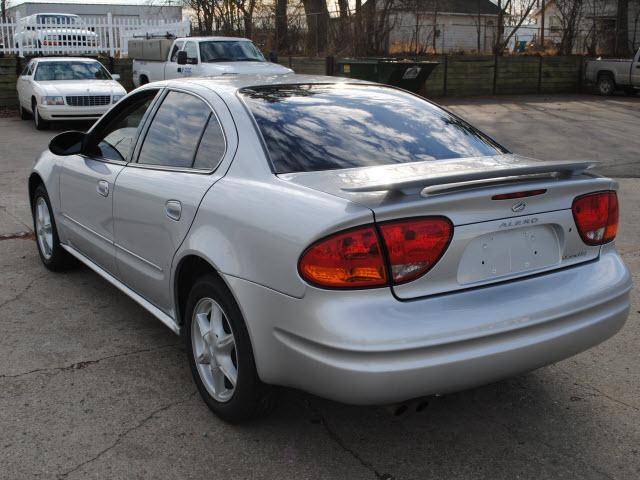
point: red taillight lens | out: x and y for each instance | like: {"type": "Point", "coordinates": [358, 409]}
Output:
{"type": "Point", "coordinates": [596, 216]}
{"type": "Point", "coordinates": [351, 259]}
{"type": "Point", "coordinates": [415, 245]}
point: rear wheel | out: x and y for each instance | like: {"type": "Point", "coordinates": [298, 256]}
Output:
{"type": "Point", "coordinates": [143, 80]}
{"type": "Point", "coordinates": [220, 354]}
{"type": "Point", "coordinates": [606, 84]}
{"type": "Point", "coordinates": [24, 114]}
{"type": "Point", "coordinates": [53, 256]}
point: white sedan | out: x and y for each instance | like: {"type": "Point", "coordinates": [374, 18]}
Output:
{"type": "Point", "coordinates": [65, 88]}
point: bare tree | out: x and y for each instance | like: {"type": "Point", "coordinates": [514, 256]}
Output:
{"type": "Point", "coordinates": [512, 13]}
{"type": "Point", "coordinates": [281, 43]}
{"type": "Point", "coordinates": [570, 16]}
{"type": "Point", "coordinates": [317, 15]}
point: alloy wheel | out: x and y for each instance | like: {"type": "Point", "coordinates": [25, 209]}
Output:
{"type": "Point", "coordinates": [214, 349]}
{"type": "Point", "coordinates": [44, 229]}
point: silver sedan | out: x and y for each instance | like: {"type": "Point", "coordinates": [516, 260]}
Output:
{"type": "Point", "coordinates": [345, 238]}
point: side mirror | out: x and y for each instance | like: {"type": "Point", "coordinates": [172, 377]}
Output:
{"type": "Point", "coordinates": [182, 57]}
{"type": "Point", "coordinates": [67, 143]}
{"type": "Point", "coordinates": [115, 76]}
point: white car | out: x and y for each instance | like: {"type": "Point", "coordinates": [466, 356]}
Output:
{"type": "Point", "coordinates": [66, 88]}
{"type": "Point", "coordinates": [51, 32]}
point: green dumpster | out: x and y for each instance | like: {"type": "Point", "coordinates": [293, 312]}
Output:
{"type": "Point", "coordinates": [406, 74]}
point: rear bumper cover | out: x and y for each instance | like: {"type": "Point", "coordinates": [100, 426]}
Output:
{"type": "Point", "coordinates": [366, 347]}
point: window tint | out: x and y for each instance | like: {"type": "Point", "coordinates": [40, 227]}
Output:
{"type": "Point", "coordinates": [192, 50]}
{"type": "Point", "coordinates": [327, 127]}
{"type": "Point", "coordinates": [175, 131]}
{"type": "Point", "coordinates": [174, 51]}
{"type": "Point", "coordinates": [116, 139]}
{"type": "Point", "coordinates": [212, 146]}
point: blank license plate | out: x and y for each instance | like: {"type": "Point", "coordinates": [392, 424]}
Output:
{"type": "Point", "coordinates": [509, 253]}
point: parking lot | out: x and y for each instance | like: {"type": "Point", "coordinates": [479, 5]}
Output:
{"type": "Point", "coordinates": [92, 386]}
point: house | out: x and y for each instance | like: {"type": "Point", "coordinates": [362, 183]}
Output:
{"type": "Point", "coordinates": [596, 26]}
{"type": "Point", "coordinates": [442, 26]}
{"type": "Point", "coordinates": [167, 10]}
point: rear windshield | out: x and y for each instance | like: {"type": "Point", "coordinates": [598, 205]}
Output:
{"type": "Point", "coordinates": [327, 127]}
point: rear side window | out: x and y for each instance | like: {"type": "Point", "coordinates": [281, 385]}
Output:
{"type": "Point", "coordinates": [328, 127]}
{"type": "Point", "coordinates": [176, 131]}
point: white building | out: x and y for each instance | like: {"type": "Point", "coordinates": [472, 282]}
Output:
{"type": "Point", "coordinates": [168, 10]}
{"type": "Point", "coordinates": [597, 21]}
{"type": "Point", "coordinates": [458, 25]}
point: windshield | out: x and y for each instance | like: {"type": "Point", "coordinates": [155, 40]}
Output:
{"type": "Point", "coordinates": [328, 127]}
{"type": "Point", "coordinates": [230, 51]}
{"type": "Point", "coordinates": [59, 19]}
{"type": "Point", "coordinates": [48, 71]}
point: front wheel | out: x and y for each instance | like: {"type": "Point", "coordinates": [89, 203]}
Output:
{"type": "Point", "coordinates": [39, 123]}
{"type": "Point", "coordinates": [53, 256]}
{"type": "Point", "coordinates": [24, 114]}
{"type": "Point", "coordinates": [220, 354]}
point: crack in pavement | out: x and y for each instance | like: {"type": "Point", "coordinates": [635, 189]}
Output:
{"type": "Point", "coordinates": [27, 235]}
{"type": "Point", "coordinates": [333, 435]}
{"type": "Point", "coordinates": [19, 295]}
{"type": "Point", "coordinates": [122, 435]}
{"type": "Point", "coordinates": [597, 390]}
{"type": "Point", "coordinates": [85, 363]}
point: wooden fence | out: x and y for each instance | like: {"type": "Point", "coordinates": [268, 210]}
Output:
{"type": "Point", "coordinates": [460, 75]}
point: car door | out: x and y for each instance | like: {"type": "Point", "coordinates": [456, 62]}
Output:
{"type": "Point", "coordinates": [87, 180]}
{"type": "Point", "coordinates": [171, 68]}
{"type": "Point", "coordinates": [156, 198]}
{"type": "Point", "coordinates": [24, 86]}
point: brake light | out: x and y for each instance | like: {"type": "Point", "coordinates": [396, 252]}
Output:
{"type": "Point", "coordinates": [351, 259]}
{"type": "Point", "coordinates": [596, 216]}
{"type": "Point", "coordinates": [528, 193]}
{"type": "Point", "coordinates": [415, 245]}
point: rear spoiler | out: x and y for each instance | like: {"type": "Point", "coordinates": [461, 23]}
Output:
{"type": "Point", "coordinates": [472, 175]}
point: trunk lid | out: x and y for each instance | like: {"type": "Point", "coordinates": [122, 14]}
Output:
{"type": "Point", "coordinates": [493, 240]}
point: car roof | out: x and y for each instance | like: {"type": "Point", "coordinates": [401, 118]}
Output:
{"type": "Point", "coordinates": [233, 83]}
{"type": "Point", "coordinates": [64, 59]}
{"type": "Point", "coordinates": [216, 39]}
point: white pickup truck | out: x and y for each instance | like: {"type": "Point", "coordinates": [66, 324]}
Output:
{"type": "Point", "coordinates": [610, 75]}
{"type": "Point", "coordinates": [196, 57]}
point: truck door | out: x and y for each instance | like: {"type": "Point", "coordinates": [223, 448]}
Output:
{"type": "Point", "coordinates": [171, 68]}
{"type": "Point", "coordinates": [192, 68]}
{"type": "Point", "coordinates": [635, 70]}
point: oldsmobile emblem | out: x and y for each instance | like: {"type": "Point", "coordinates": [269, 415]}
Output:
{"type": "Point", "coordinates": [518, 207]}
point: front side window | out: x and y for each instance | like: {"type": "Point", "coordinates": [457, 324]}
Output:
{"type": "Point", "coordinates": [328, 127]}
{"type": "Point", "coordinates": [192, 51]}
{"type": "Point", "coordinates": [229, 51]}
{"type": "Point", "coordinates": [175, 131]}
{"type": "Point", "coordinates": [116, 140]}
{"type": "Point", "coordinates": [174, 51]}
{"type": "Point", "coordinates": [51, 71]}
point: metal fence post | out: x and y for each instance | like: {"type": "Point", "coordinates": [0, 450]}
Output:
{"type": "Point", "coordinates": [112, 49]}
{"type": "Point", "coordinates": [446, 73]}
{"type": "Point", "coordinates": [495, 73]}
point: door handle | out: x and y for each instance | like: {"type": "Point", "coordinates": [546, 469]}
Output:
{"type": "Point", "coordinates": [103, 188]}
{"type": "Point", "coordinates": [173, 209]}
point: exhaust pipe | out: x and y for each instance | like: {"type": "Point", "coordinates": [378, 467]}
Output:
{"type": "Point", "coordinates": [400, 409]}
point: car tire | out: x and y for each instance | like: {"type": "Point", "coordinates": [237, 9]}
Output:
{"type": "Point", "coordinates": [53, 256]}
{"type": "Point", "coordinates": [143, 80]}
{"type": "Point", "coordinates": [39, 123]}
{"type": "Point", "coordinates": [24, 114]}
{"type": "Point", "coordinates": [606, 84]}
{"type": "Point", "coordinates": [219, 347]}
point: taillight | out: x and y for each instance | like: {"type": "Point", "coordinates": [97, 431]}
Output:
{"type": "Point", "coordinates": [596, 216]}
{"type": "Point", "coordinates": [351, 259]}
{"type": "Point", "coordinates": [354, 258]}
{"type": "Point", "coordinates": [415, 245]}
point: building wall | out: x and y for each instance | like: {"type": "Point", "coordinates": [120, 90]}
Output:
{"type": "Point", "coordinates": [88, 10]}
{"type": "Point", "coordinates": [454, 32]}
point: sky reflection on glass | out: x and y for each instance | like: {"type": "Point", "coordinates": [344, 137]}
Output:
{"type": "Point", "coordinates": [327, 127]}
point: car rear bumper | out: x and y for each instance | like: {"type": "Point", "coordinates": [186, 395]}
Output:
{"type": "Point", "coordinates": [366, 347]}
{"type": "Point", "coordinates": [64, 112]}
